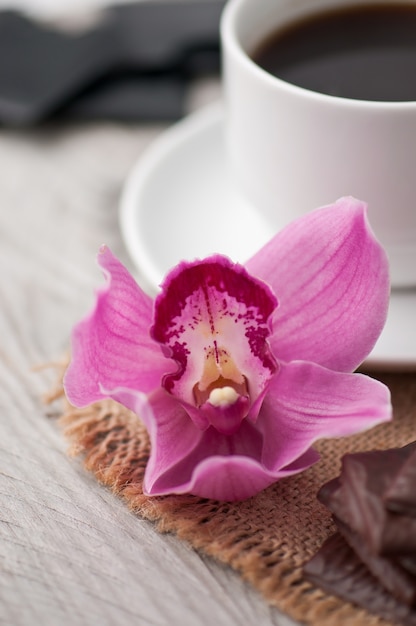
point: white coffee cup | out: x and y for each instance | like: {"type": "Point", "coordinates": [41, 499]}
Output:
{"type": "Point", "coordinates": [292, 150]}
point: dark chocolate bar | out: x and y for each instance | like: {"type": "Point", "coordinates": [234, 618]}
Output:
{"type": "Point", "coordinates": [338, 570]}
{"type": "Point", "coordinates": [328, 491]}
{"type": "Point", "coordinates": [365, 478]}
{"type": "Point", "coordinates": [392, 574]}
{"type": "Point", "coordinates": [409, 563]}
{"type": "Point", "coordinates": [400, 496]}
{"type": "Point", "coordinates": [389, 572]}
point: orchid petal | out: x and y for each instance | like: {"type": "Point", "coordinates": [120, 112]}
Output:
{"type": "Point", "coordinates": [178, 445]}
{"type": "Point", "coordinates": [306, 402]}
{"type": "Point", "coordinates": [212, 318]}
{"type": "Point", "coordinates": [173, 436]}
{"type": "Point", "coordinates": [228, 478]}
{"type": "Point", "coordinates": [237, 477]}
{"type": "Point", "coordinates": [186, 460]}
{"type": "Point", "coordinates": [331, 278]}
{"type": "Point", "coordinates": [111, 346]}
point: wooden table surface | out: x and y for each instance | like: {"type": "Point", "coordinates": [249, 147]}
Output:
{"type": "Point", "coordinates": [70, 552]}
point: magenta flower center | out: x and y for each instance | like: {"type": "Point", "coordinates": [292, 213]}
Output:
{"type": "Point", "coordinates": [212, 318]}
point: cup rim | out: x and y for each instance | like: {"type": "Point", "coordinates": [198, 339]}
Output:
{"type": "Point", "coordinates": [229, 40]}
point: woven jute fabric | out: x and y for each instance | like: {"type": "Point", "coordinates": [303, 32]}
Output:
{"type": "Point", "coordinates": [266, 538]}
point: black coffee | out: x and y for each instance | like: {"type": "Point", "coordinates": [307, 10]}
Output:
{"type": "Point", "coordinates": [364, 52]}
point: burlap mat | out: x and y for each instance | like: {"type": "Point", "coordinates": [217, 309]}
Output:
{"type": "Point", "coordinates": [267, 538]}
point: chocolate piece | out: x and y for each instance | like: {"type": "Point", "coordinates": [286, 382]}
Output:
{"type": "Point", "coordinates": [400, 497]}
{"type": "Point", "coordinates": [393, 575]}
{"type": "Point", "coordinates": [409, 563]}
{"type": "Point", "coordinates": [365, 478]}
{"type": "Point", "coordinates": [338, 570]}
{"type": "Point", "coordinates": [328, 491]}
{"type": "Point", "coordinates": [390, 573]}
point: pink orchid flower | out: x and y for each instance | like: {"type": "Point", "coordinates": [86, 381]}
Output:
{"type": "Point", "coordinates": [236, 371]}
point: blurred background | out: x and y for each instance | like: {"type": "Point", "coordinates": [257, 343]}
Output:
{"type": "Point", "coordinates": [136, 60]}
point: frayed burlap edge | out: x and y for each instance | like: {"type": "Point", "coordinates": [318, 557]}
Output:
{"type": "Point", "coordinates": [267, 538]}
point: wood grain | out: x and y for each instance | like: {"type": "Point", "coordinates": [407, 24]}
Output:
{"type": "Point", "coordinates": [70, 552]}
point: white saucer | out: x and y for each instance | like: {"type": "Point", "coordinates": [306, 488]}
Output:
{"type": "Point", "coordinates": [178, 203]}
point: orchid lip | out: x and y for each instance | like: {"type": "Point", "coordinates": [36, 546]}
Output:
{"type": "Point", "coordinates": [232, 390]}
{"type": "Point", "coordinates": [215, 320]}
{"type": "Point", "coordinates": [226, 410]}
{"type": "Point", "coordinates": [223, 403]}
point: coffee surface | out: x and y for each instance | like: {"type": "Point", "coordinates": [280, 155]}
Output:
{"type": "Point", "coordinates": [364, 52]}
